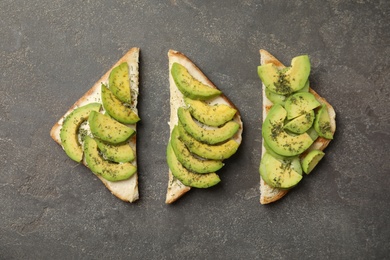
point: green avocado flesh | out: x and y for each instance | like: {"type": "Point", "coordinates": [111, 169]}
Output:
{"type": "Point", "coordinates": [262, 170]}
{"type": "Point", "coordinates": [189, 86]}
{"type": "Point", "coordinates": [119, 82]}
{"type": "Point", "coordinates": [108, 170]}
{"type": "Point", "coordinates": [107, 129]}
{"type": "Point", "coordinates": [305, 88]}
{"type": "Point", "coordinates": [300, 103]}
{"type": "Point", "coordinates": [279, 174]}
{"type": "Point", "coordinates": [209, 136]}
{"type": "Point", "coordinates": [311, 160]}
{"type": "Point", "coordinates": [214, 152]}
{"type": "Point", "coordinates": [313, 133]}
{"type": "Point", "coordinates": [188, 160]}
{"type": "Point", "coordinates": [116, 153]}
{"type": "Point", "coordinates": [287, 80]}
{"type": "Point", "coordinates": [301, 124]}
{"type": "Point", "coordinates": [70, 128]}
{"type": "Point", "coordinates": [281, 99]}
{"type": "Point", "coordinates": [215, 115]}
{"type": "Point", "coordinates": [278, 139]}
{"type": "Point", "coordinates": [187, 177]}
{"type": "Point", "coordinates": [274, 154]}
{"type": "Point", "coordinates": [275, 98]}
{"type": "Point", "coordinates": [116, 109]}
{"type": "Point", "coordinates": [294, 163]}
{"type": "Point", "coordinates": [322, 123]}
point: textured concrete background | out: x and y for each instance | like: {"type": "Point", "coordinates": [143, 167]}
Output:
{"type": "Point", "coordinates": [52, 51]}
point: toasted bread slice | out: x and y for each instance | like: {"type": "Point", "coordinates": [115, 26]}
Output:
{"type": "Point", "coordinates": [126, 190]}
{"type": "Point", "coordinates": [269, 194]}
{"type": "Point", "coordinates": [176, 189]}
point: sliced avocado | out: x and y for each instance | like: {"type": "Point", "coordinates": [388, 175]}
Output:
{"type": "Point", "coordinates": [214, 152]}
{"type": "Point", "coordinates": [116, 109]}
{"type": "Point", "coordinates": [215, 115]}
{"type": "Point", "coordinates": [262, 169]}
{"type": "Point", "coordinates": [70, 129]}
{"type": "Point", "coordinates": [295, 164]}
{"type": "Point", "coordinates": [119, 82]}
{"type": "Point", "coordinates": [311, 160]}
{"type": "Point", "coordinates": [189, 86]}
{"type": "Point", "coordinates": [116, 153]}
{"type": "Point", "coordinates": [313, 133]}
{"type": "Point", "coordinates": [274, 154]}
{"type": "Point", "coordinates": [189, 178]}
{"type": "Point", "coordinates": [209, 136]}
{"type": "Point", "coordinates": [278, 139]}
{"type": "Point", "coordinates": [279, 174]}
{"type": "Point", "coordinates": [275, 98]}
{"type": "Point", "coordinates": [301, 124]}
{"type": "Point", "coordinates": [286, 80]}
{"type": "Point", "coordinates": [300, 103]}
{"type": "Point", "coordinates": [281, 99]}
{"type": "Point", "coordinates": [306, 87]}
{"type": "Point", "coordinates": [107, 129]}
{"type": "Point", "coordinates": [322, 123]}
{"type": "Point", "coordinates": [108, 170]}
{"type": "Point", "coordinates": [188, 160]}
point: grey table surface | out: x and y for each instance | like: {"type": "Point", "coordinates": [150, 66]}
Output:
{"type": "Point", "coordinates": [52, 52]}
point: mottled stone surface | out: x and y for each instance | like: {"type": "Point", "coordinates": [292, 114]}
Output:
{"type": "Point", "coordinates": [52, 51]}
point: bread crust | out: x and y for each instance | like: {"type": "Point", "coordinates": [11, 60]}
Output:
{"type": "Point", "coordinates": [269, 194]}
{"type": "Point", "coordinates": [176, 189]}
{"type": "Point", "coordinates": [126, 190]}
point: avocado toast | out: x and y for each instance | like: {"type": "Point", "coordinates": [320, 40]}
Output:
{"type": "Point", "coordinates": [99, 130]}
{"type": "Point", "coordinates": [298, 124]}
{"type": "Point", "coordinates": [205, 128]}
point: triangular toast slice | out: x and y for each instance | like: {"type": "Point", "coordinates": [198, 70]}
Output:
{"type": "Point", "coordinates": [269, 194]}
{"type": "Point", "coordinates": [126, 190]}
{"type": "Point", "coordinates": [176, 188]}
